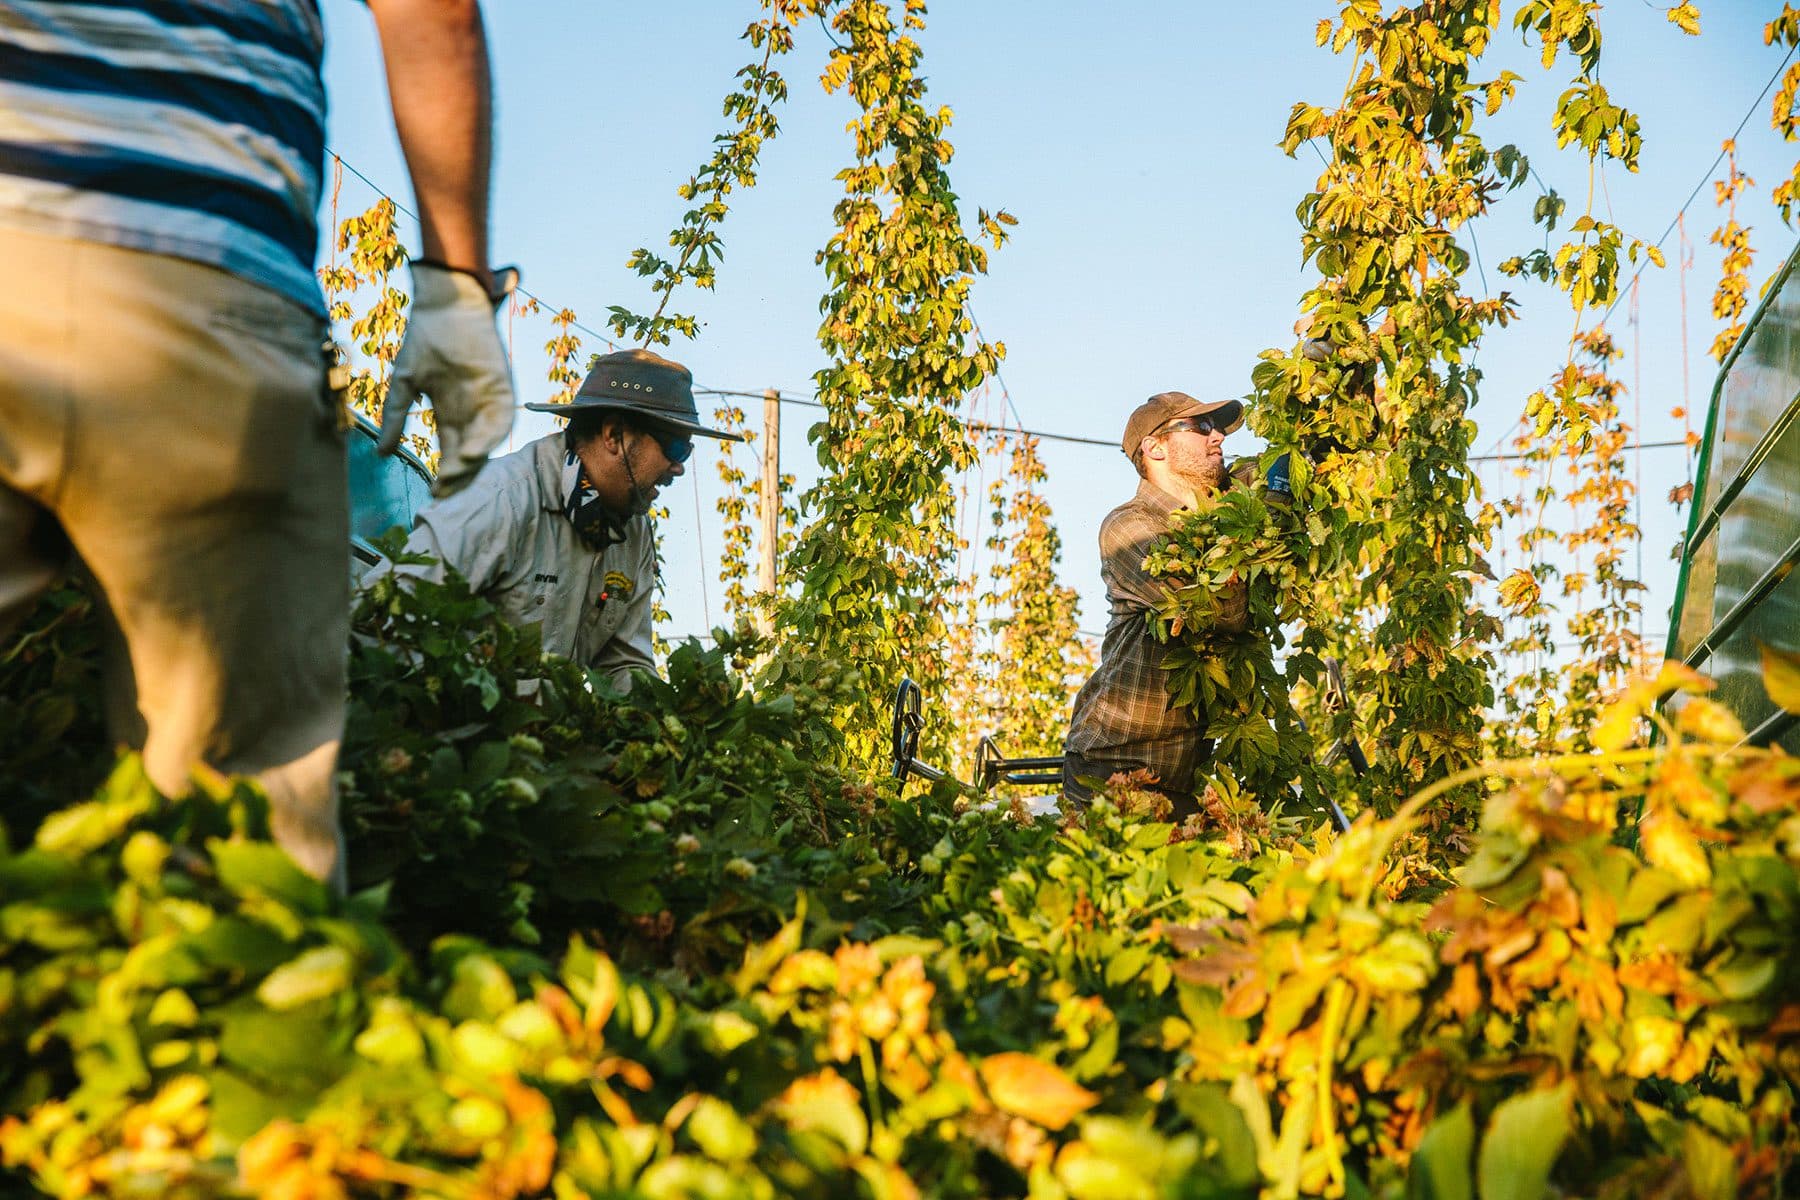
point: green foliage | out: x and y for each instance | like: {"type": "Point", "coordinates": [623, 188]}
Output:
{"type": "Point", "coordinates": [517, 797]}
{"type": "Point", "coordinates": [958, 1004]}
{"type": "Point", "coordinates": [1553, 708]}
{"type": "Point", "coordinates": [874, 564]}
{"type": "Point", "coordinates": [778, 978]}
{"type": "Point", "coordinates": [1402, 529]}
{"type": "Point", "coordinates": [563, 348]}
{"type": "Point", "coordinates": [1014, 655]}
{"type": "Point", "coordinates": [751, 109]}
{"type": "Point", "coordinates": [159, 954]}
{"type": "Point", "coordinates": [375, 331]}
{"type": "Point", "coordinates": [1240, 540]}
{"type": "Point", "coordinates": [734, 507]}
{"type": "Point", "coordinates": [53, 746]}
{"type": "Point", "coordinates": [1039, 647]}
{"type": "Point", "coordinates": [1784, 112]}
{"type": "Point", "coordinates": [1731, 297]}
{"type": "Point", "coordinates": [1378, 429]}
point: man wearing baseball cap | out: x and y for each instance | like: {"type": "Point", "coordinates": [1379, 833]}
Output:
{"type": "Point", "coordinates": [557, 534]}
{"type": "Point", "coordinates": [1124, 718]}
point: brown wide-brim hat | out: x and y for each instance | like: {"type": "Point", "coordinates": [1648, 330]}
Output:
{"type": "Point", "coordinates": [1164, 407]}
{"type": "Point", "coordinates": [643, 383]}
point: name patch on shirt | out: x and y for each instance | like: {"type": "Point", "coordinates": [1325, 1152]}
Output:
{"type": "Point", "coordinates": [541, 577]}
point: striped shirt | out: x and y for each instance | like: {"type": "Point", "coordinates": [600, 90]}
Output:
{"type": "Point", "coordinates": [190, 128]}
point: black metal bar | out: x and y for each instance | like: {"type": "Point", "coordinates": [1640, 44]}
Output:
{"type": "Point", "coordinates": [1772, 727]}
{"type": "Point", "coordinates": [904, 734]}
{"type": "Point", "coordinates": [1041, 762]}
{"type": "Point", "coordinates": [1029, 777]}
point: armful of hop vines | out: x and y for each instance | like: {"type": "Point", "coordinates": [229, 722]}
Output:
{"type": "Point", "coordinates": [1233, 570]}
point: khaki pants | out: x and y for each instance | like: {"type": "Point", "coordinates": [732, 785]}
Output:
{"type": "Point", "coordinates": [172, 422]}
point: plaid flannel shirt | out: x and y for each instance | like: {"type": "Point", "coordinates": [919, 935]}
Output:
{"type": "Point", "coordinates": [1124, 719]}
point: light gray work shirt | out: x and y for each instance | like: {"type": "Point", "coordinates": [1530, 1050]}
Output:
{"type": "Point", "coordinates": [507, 534]}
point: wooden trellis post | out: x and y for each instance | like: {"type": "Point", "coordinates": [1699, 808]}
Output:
{"type": "Point", "coordinates": [769, 492]}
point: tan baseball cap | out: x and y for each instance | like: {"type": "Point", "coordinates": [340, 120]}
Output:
{"type": "Point", "coordinates": [1164, 407]}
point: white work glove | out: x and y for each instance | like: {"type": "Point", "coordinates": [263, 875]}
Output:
{"type": "Point", "coordinates": [452, 353]}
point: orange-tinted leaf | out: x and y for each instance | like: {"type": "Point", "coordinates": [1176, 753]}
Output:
{"type": "Point", "coordinates": [1709, 721]}
{"type": "Point", "coordinates": [1034, 1089]}
{"type": "Point", "coordinates": [827, 1103]}
{"type": "Point", "coordinates": [1767, 785]}
{"type": "Point", "coordinates": [1519, 591]}
{"type": "Point", "coordinates": [1619, 722]}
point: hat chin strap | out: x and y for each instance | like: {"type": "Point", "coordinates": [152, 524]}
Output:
{"type": "Point", "coordinates": [641, 499]}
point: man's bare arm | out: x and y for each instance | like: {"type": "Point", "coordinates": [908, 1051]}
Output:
{"type": "Point", "coordinates": [438, 83]}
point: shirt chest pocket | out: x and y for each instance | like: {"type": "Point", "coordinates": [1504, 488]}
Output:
{"type": "Point", "coordinates": [598, 624]}
{"type": "Point", "coordinates": [548, 602]}
{"type": "Point", "coordinates": [611, 598]}
{"type": "Point", "coordinates": [525, 606]}
{"type": "Point", "coordinates": [530, 601]}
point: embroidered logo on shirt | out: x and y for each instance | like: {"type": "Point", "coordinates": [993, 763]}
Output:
{"type": "Point", "coordinates": [619, 584]}
{"type": "Point", "coordinates": [541, 577]}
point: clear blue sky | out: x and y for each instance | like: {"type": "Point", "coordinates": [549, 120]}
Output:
{"type": "Point", "coordinates": [1136, 143]}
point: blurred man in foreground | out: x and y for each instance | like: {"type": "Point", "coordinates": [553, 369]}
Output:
{"type": "Point", "coordinates": [164, 414]}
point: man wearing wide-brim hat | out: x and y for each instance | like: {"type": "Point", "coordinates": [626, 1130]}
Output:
{"type": "Point", "coordinates": [557, 534]}
{"type": "Point", "coordinates": [1124, 719]}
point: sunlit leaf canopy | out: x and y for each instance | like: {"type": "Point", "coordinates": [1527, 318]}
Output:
{"type": "Point", "coordinates": [682, 941]}
{"type": "Point", "coordinates": [1157, 246]}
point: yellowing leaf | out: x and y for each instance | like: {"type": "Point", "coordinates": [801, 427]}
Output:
{"type": "Point", "coordinates": [826, 1102]}
{"type": "Point", "coordinates": [1687, 17]}
{"type": "Point", "coordinates": [718, 1130]}
{"type": "Point", "coordinates": [1519, 591]}
{"type": "Point", "coordinates": [1619, 722]}
{"type": "Point", "coordinates": [1618, 725]}
{"type": "Point", "coordinates": [886, 1181]}
{"type": "Point", "coordinates": [1036, 1090]}
{"type": "Point", "coordinates": [1651, 1043]}
{"type": "Point", "coordinates": [1090, 1176]}
{"type": "Point", "coordinates": [1781, 676]}
{"type": "Point", "coordinates": [320, 972]}
{"type": "Point", "coordinates": [1403, 962]}
{"type": "Point", "coordinates": [1668, 842]}
{"type": "Point", "coordinates": [1709, 721]}
{"type": "Point", "coordinates": [761, 959]}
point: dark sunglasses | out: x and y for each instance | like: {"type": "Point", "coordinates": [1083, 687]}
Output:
{"type": "Point", "coordinates": [676, 447]}
{"type": "Point", "coordinates": [1199, 425]}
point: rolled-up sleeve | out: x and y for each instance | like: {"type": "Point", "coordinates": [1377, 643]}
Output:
{"type": "Point", "coordinates": [1126, 538]}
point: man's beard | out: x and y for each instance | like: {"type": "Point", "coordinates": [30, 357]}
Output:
{"type": "Point", "coordinates": [1203, 473]}
{"type": "Point", "coordinates": [1212, 471]}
